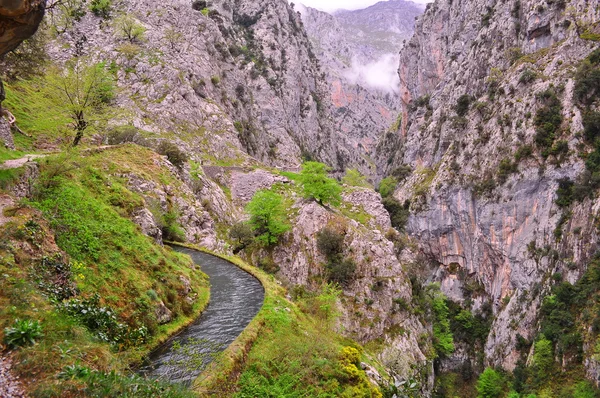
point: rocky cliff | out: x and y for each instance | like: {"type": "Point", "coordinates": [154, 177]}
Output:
{"type": "Point", "coordinates": [480, 84]}
{"type": "Point", "coordinates": [232, 80]}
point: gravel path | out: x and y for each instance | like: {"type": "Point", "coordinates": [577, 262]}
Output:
{"type": "Point", "coordinates": [10, 386]}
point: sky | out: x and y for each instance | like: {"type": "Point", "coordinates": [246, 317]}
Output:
{"type": "Point", "coordinates": [332, 5]}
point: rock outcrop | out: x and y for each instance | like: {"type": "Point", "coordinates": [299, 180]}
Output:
{"type": "Point", "coordinates": [19, 20]}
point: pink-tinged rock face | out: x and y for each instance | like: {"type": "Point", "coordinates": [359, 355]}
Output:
{"type": "Point", "coordinates": [19, 20]}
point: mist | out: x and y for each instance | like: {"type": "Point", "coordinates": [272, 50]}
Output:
{"type": "Point", "coordinates": [381, 74]}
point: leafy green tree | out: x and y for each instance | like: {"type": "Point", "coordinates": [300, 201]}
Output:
{"type": "Point", "coordinates": [80, 93]}
{"type": "Point", "coordinates": [267, 216]}
{"type": "Point", "coordinates": [443, 340]}
{"type": "Point", "coordinates": [489, 384]}
{"type": "Point", "coordinates": [353, 178]}
{"type": "Point", "coordinates": [387, 186]}
{"type": "Point", "coordinates": [543, 358]}
{"type": "Point", "coordinates": [317, 185]}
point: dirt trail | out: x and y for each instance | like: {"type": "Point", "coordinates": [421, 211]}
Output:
{"type": "Point", "coordinates": [16, 163]}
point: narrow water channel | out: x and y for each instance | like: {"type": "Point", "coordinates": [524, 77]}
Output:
{"type": "Point", "coordinates": [235, 298]}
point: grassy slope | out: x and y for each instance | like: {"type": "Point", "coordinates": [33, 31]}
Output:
{"type": "Point", "coordinates": [86, 206]}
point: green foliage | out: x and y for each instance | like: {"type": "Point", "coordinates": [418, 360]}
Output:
{"type": "Point", "coordinates": [112, 384]}
{"type": "Point", "coordinates": [169, 225]}
{"type": "Point", "coordinates": [462, 105]}
{"type": "Point", "coordinates": [130, 29]}
{"type": "Point", "coordinates": [587, 79]}
{"type": "Point", "coordinates": [584, 389]}
{"type": "Point", "coordinates": [175, 155]}
{"type": "Point", "coordinates": [101, 8]}
{"type": "Point", "coordinates": [215, 80]}
{"type": "Point", "coordinates": [296, 355]}
{"type": "Point", "coordinates": [443, 341]}
{"type": "Point", "coordinates": [102, 322]}
{"type": "Point", "coordinates": [318, 186]}
{"type": "Point", "coordinates": [548, 119]}
{"type": "Point", "coordinates": [331, 243]}
{"type": "Point", "coordinates": [490, 384]}
{"type": "Point", "coordinates": [466, 326]}
{"type": "Point", "coordinates": [527, 76]}
{"type": "Point", "coordinates": [399, 213]}
{"type": "Point", "coordinates": [543, 359]}
{"type": "Point", "coordinates": [564, 192]}
{"type": "Point", "coordinates": [387, 186]}
{"type": "Point", "coordinates": [353, 178]}
{"type": "Point", "coordinates": [24, 332]}
{"type": "Point", "coordinates": [267, 217]}
{"type": "Point", "coordinates": [242, 234]}
{"type": "Point", "coordinates": [79, 94]}
{"type": "Point", "coordinates": [591, 126]}
{"type": "Point", "coordinates": [505, 169]}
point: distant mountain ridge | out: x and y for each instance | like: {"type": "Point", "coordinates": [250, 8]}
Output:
{"type": "Point", "coordinates": [358, 52]}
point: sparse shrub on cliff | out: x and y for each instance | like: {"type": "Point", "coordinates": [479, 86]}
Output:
{"type": "Point", "coordinates": [354, 178]}
{"type": "Point", "coordinates": [399, 212]}
{"type": "Point", "coordinates": [330, 243]}
{"type": "Point", "coordinates": [101, 8]}
{"type": "Point", "coordinates": [175, 155]}
{"type": "Point", "coordinates": [462, 105]}
{"type": "Point", "coordinates": [387, 186]}
{"type": "Point", "coordinates": [547, 120]}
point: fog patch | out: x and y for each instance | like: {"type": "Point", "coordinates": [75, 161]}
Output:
{"type": "Point", "coordinates": [381, 74]}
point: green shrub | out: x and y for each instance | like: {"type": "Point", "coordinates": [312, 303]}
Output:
{"type": "Point", "coordinates": [170, 227]}
{"type": "Point", "coordinates": [330, 242]}
{"type": "Point", "coordinates": [505, 169]}
{"type": "Point", "coordinates": [543, 358]}
{"type": "Point", "coordinates": [523, 152]}
{"type": "Point", "coordinates": [399, 213]}
{"type": "Point", "coordinates": [123, 135]}
{"type": "Point", "coordinates": [101, 8]}
{"type": "Point", "coordinates": [130, 29]}
{"type": "Point", "coordinates": [527, 76]}
{"type": "Point", "coordinates": [354, 178]}
{"type": "Point", "coordinates": [102, 321]}
{"type": "Point", "coordinates": [317, 185]}
{"type": "Point", "coordinates": [564, 192]}
{"type": "Point", "coordinates": [175, 155]}
{"type": "Point", "coordinates": [387, 186]}
{"type": "Point", "coordinates": [215, 80]}
{"type": "Point", "coordinates": [548, 119]}
{"type": "Point", "coordinates": [24, 332]}
{"type": "Point", "coordinates": [587, 79]}
{"type": "Point", "coordinates": [443, 340]}
{"type": "Point", "coordinates": [267, 217]}
{"type": "Point", "coordinates": [242, 234]}
{"type": "Point", "coordinates": [490, 384]}
{"type": "Point", "coordinates": [341, 271]}
{"type": "Point", "coordinates": [584, 389]}
{"type": "Point", "coordinates": [591, 126]}
{"type": "Point", "coordinates": [462, 105]}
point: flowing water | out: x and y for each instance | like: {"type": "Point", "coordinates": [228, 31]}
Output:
{"type": "Point", "coordinates": [235, 298]}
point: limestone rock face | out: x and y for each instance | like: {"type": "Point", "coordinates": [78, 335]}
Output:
{"type": "Point", "coordinates": [6, 137]}
{"type": "Point", "coordinates": [19, 19]}
{"type": "Point", "coordinates": [475, 222]}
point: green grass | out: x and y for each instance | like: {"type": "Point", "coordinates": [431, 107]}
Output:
{"type": "Point", "coordinates": [83, 208]}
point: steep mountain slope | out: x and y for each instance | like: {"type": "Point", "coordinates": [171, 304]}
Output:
{"type": "Point", "coordinates": [357, 51]}
{"type": "Point", "coordinates": [495, 97]}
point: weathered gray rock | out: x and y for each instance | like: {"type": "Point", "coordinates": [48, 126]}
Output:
{"type": "Point", "coordinates": [145, 219]}
{"type": "Point", "coordinates": [162, 313]}
{"type": "Point", "coordinates": [6, 137]}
